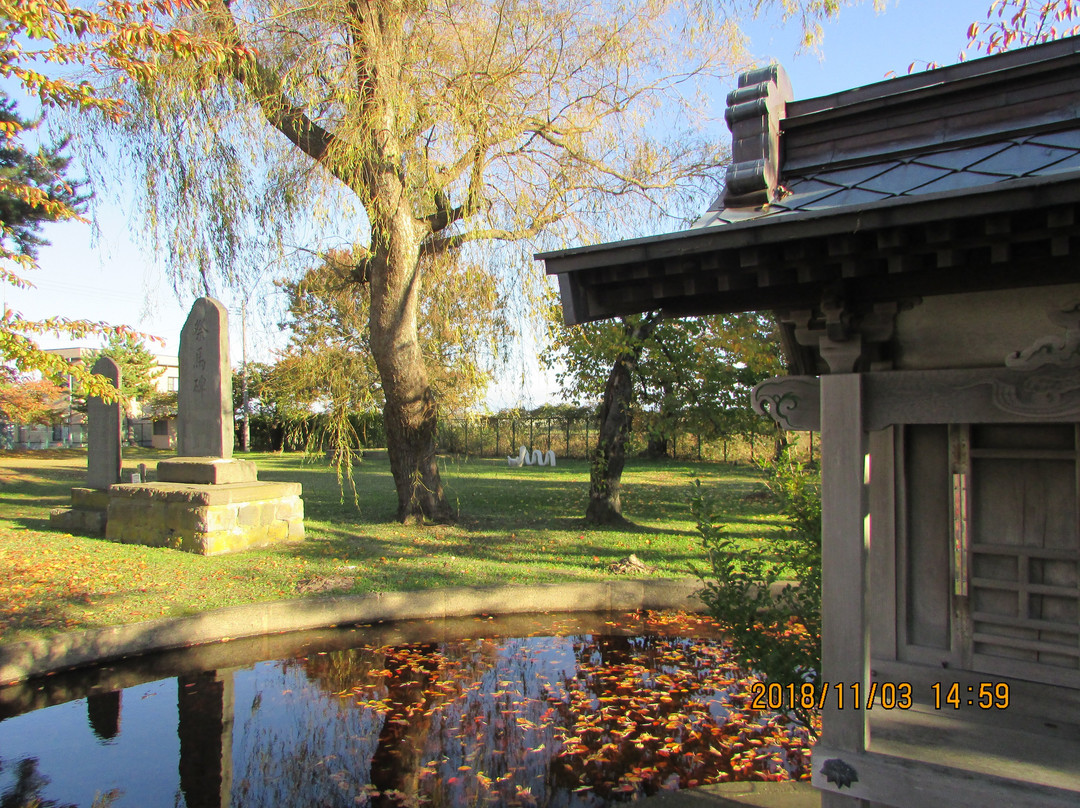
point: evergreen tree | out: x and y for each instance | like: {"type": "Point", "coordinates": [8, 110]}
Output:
{"type": "Point", "coordinates": [44, 170]}
{"type": "Point", "coordinates": [139, 370]}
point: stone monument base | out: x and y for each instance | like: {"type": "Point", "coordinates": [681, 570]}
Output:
{"type": "Point", "coordinates": [87, 514]}
{"type": "Point", "coordinates": [205, 519]}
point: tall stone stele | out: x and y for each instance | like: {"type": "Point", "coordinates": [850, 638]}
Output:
{"type": "Point", "coordinates": [204, 423]}
{"type": "Point", "coordinates": [205, 500]}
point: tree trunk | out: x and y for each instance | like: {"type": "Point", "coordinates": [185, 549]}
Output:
{"type": "Point", "coordinates": [609, 457]}
{"type": "Point", "coordinates": [780, 444]}
{"type": "Point", "coordinates": [657, 447]}
{"type": "Point", "coordinates": [409, 410]}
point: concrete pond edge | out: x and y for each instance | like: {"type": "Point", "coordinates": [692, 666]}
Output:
{"type": "Point", "coordinates": [36, 657]}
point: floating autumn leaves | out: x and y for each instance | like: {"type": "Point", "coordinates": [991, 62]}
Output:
{"type": "Point", "coordinates": [579, 720]}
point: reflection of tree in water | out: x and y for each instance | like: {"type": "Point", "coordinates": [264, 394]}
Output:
{"type": "Point", "coordinates": [25, 792]}
{"type": "Point", "coordinates": [297, 743]}
{"type": "Point", "coordinates": [545, 721]}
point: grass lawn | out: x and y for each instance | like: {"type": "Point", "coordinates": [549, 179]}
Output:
{"type": "Point", "coordinates": [514, 526]}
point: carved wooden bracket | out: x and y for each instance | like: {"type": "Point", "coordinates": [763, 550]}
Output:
{"type": "Point", "coordinates": [1049, 393]}
{"type": "Point", "coordinates": [845, 341]}
{"type": "Point", "coordinates": [753, 115]}
{"type": "Point", "coordinates": [793, 402]}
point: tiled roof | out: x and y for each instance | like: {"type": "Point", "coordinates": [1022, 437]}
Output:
{"type": "Point", "coordinates": [944, 170]}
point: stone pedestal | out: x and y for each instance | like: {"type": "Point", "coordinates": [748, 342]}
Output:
{"type": "Point", "coordinates": [206, 519]}
{"type": "Point", "coordinates": [87, 514]}
{"type": "Point", "coordinates": [206, 471]}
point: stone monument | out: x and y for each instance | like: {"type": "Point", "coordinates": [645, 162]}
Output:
{"type": "Point", "coordinates": [204, 421]}
{"type": "Point", "coordinates": [90, 504]}
{"type": "Point", "coordinates": [205, 500]}
{"type": "Point", "coordinates": [104, 424]}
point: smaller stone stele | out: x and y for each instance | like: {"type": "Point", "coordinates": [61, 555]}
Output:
{"type": "Point", "coordinates": [90, 504]}
{"type": "Point", "coordinates": [103, 422]}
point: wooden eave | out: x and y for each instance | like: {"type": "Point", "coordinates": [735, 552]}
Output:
{"type": "Point", "coordinates": [1008, 234]}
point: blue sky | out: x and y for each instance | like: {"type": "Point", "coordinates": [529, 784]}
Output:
{"type": "Point", "coordinates": [109, 278]}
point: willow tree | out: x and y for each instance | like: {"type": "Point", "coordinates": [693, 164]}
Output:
{"type": "Point", "coordinates": [449, 123]}
{"type": "Point", "coordinates": [328, 361]}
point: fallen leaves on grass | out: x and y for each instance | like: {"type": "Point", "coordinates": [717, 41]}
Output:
{"type": "Point", "coordinates": [324, 583]}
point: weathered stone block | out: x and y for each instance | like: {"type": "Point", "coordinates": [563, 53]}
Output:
{"type": "Point", "coordinates": [80, 521]}
{"type": "Point", "coordinates": [206, 471]}
{"type": "Point", "coordinates": [97, 498]}
{"type": "Point", "coordinates": [277, 531]}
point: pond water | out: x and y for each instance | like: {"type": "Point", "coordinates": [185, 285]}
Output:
{"type": "Point", "coordinates": [550, 710]}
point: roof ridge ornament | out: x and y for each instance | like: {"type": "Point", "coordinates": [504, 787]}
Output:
{"type": "Point", "coordinates": [754, 112]}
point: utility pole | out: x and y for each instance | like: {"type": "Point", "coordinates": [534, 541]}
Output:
{"type": "Point", "coordinates": [245, 432]}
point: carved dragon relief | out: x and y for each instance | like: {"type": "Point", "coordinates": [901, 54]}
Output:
{"type": "Point", "coordinates": [1049, 392]}
{"type": "Point", "coordinates": [1047, 384]}
{"type": "Point", "coordinates": [1041, 382]}
{"type": "Point", "coordinates": [1053, 350]}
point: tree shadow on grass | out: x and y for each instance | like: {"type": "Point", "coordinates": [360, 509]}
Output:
{"type": "Point", "coordinates": [59, 613]}
{"type": "Point", "coordinates": [37, 523]}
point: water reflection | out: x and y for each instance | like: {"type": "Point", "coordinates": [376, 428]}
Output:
{"type": "Point", "coordinates": [103, 711]}
{"type": "Point", "coordinates": [26, 790]}
{"type": "Point", "coordinates": [205, 708]}
{"type": "Point", "coordinates": [607, 713]}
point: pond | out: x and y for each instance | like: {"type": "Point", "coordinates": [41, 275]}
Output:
{"type": "Point", "coordinates": [545, 710]}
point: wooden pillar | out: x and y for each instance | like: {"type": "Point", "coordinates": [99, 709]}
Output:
{"type": "Point", "coordinates": [845, 646]}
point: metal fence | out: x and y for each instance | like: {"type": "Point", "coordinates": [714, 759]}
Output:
{"type": "Point", "coordinates": [575, 437]}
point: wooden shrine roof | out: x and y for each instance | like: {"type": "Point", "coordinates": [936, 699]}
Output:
{"type": "Point", "coordinates": [957, 179]}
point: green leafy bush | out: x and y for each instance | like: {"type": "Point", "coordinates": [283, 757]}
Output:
{"type": "Point", "coordinates": [771, 600]}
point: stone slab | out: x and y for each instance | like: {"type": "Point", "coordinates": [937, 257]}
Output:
{"type": "Point", "coordinates": [206, 495]}
{"type": "Point", "coordinates": [206, 471]}
{"type": "Point", "coordinates": [739, 795]}
{"type": "Point", "coordinates": [94, 498]}
{"type": "Point", "coordinates": [80, 521]}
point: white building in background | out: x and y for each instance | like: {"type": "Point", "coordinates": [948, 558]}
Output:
{"type": "Point", "coordinates": [71, 428]}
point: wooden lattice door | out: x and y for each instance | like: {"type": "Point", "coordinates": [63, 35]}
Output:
{"type": "Point", "coordinates": [1016, 549]}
